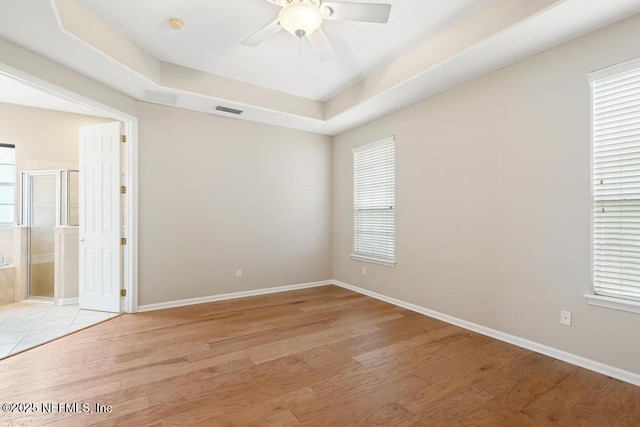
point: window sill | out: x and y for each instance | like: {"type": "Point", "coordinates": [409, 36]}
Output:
{"type": "Point", "coordinates": [615, 303]}
{"type": "Point", "coordinates": [373, 260]}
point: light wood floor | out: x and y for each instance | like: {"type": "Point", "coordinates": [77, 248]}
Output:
{"type": "Point", "coordinates": [323, 356]}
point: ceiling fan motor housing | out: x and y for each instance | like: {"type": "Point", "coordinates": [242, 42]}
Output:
{"type": "Point", "coordinates": [304, 18]}
{"type": "Point", "coordinates": [301, 17]}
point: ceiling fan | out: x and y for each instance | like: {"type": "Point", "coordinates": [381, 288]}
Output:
{"type": "Point", "coordinates": [304, 18]}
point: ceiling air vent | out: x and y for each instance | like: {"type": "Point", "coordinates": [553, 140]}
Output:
{"type": "Point", "coordinates": [228, 110]}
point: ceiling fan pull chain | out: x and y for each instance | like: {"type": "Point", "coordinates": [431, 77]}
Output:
{"type": "Point", "coordinates": [299, 46]}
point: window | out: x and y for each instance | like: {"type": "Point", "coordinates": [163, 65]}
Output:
{"type": "Point", "coordinates": [7, 183]}
{"type": "Point", "coordinates": [374, 202]}
{"type": "Point", "coordinates": [616, 185]}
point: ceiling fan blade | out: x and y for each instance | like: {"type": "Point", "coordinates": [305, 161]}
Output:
{"type": "Point", "coordinates": [321, 44]}
{"type": "Point", "coordinates": [365, 12]}
{"type": "Point", "coordinates": [264, 33]}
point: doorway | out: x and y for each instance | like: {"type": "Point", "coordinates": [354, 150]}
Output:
{"type": "Point", "coordinates": [128, 226]}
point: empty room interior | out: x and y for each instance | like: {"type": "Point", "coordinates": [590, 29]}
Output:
{"type": "Point", "coordinates": [306, 212]}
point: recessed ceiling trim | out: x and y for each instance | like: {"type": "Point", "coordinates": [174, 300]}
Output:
{"type": "Point", "coordinates": [392, 88]}
{"type": "Point", "coordinates": [470, 31]}
{"type": "Point", "coordinates": [161, 97]}
{"type": "Point", "coordinates": [199, 83]}
{"type": "Point", "coordinates": [86, 27]}
{"type": "Point", "coordinates": [205, 84]}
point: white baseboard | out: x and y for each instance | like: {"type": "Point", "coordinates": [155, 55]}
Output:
{"type": "Point", "coordinates": [67, 301]}
{"type": "Point", "coordinates": [233, 295]}
{"type": "Point", "coordinates": [574, 359]}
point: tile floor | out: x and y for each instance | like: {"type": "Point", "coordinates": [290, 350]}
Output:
{"type": "Point", "coordinates": [26, 324]}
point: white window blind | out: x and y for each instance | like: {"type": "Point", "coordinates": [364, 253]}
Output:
{"type": "Point", "coordinates": [374, 200]}
{"type": "Point", "coordinates": [616, 183]}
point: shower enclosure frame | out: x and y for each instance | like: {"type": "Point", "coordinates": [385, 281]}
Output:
{"type": "Point", "coordinates": [62, 210]}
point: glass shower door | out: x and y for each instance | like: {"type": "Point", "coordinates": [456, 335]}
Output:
{"type": "Point", "coordinates": [43, 211]}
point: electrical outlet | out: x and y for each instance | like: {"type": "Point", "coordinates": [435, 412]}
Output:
{"type": "Point", "coordinates": [565, 317]}
{"type": "Point", "coordinates": [364, 271]}
{"type": "Point", "coordinates": [238, 273]}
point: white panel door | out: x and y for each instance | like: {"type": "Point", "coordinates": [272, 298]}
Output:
{"type": "Point", "coordinates": [99, 215]}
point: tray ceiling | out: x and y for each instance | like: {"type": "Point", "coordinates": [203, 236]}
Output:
{"type": "Point", "coordinates": [428, 47]}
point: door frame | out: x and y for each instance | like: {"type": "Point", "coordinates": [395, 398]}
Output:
{"type": "Point", "coordinates": [129, 303]}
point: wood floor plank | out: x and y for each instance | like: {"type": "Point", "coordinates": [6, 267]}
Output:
{"type": "Point", "coordinates": [347, 349]}
{"type": "Point", "coordinates": [430, 339]}
{"type": "Point", "coordinates": [320, 356]}
{"type": "Point", "coordinates": [497, 416]}
{"type": "Point", "coordinates": [360, 404]}
{"type": "Point", "coordinates": [558, 400]}
{"type": "Point", "coordinates": [391, 415]}
{"type": "Point", "coordinates": [260, 413]}
{"type": "Point", "coordinates": [605, 403]}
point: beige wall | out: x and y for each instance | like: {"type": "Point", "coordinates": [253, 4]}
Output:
{"type": "Point", "coordinates": [493, 202]}
{"type": "Point", "coordinates": [218, 194]}
{"type": "Point", "coordinates": [44, 139]}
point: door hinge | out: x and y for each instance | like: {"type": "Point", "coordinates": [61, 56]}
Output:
{"type": "Point", "coordinates": [123, 292]}
{"type": "Point", "coordinates": [123, 240]}
{"type": "Point", "coordinates": [123, 138]}
{"type": "Point", "coordinates": [123, 189]}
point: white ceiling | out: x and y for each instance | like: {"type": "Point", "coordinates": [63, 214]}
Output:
{"type": "Point", "coordinates": [213, 31]}
{"type": "Point", "coordinates": [428, 47]}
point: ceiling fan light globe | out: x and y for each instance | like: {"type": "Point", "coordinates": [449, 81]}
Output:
{"type": "Point", "coordinates": [300, 18]}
